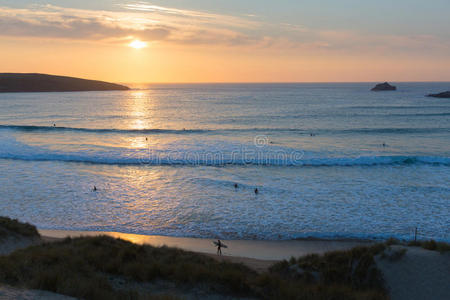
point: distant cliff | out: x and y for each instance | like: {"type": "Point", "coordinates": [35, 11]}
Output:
{"type": "Point", "coordinates": [22, 82]}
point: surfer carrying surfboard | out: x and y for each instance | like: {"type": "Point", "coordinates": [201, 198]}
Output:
{"type": "Point", "coordinates": [219, 245]}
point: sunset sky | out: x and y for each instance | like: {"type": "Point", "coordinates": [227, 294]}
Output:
{"type": "Point", "coordinates": [229, 40]}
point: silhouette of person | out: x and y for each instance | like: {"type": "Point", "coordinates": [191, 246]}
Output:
{"type": "Point", "coordinates": [54, 124]}
{"type": "Point", "coordinates": [256, 191]}
{"type": "Point", "coordinates": [235, 185]}
{"type": "Point", "coordinates": [95, 188]}
{"type": "Point", "coordinates": [219, 247]}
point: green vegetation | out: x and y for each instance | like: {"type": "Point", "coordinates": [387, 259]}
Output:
{"type": "Point", "coordinates": [14, 227]}
{"type": "Point", "coordinates": [348, 274]}
{"type": "Point", "coordinates": [425, 244]}
{"type": "Point", "coordinates": [431, 245]}
{"type": "Point", "coordinates": [89, 267]}
{"type": "Point", "coordinates": [107, 268]}
{"type": "Point", "coordinates": [83, 267]}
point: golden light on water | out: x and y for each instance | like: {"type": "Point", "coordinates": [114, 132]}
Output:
{"type": "Point", "coordinates": [137, 44]}
{"type": "Point", "coordinates": [139, 107]}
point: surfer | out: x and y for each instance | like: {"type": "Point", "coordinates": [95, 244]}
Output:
{"type": "Point", "coordinates": [94, 189]}
{"type": "Point", "coordinates": [256, 191]}
{"type": "Point", "coordinates": [219, 247]}
{"type": "Point", "coordinates": [235, 185]}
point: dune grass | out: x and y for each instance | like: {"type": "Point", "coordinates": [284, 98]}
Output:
{"type": "Point", "coordinates": [431, 245]}
{"type": "Point", "coordinates": [351, 274]}
{"type": "Point", "coordinates": [84, 267]}
{"type": "Point", "coordinates": [91, 267]}
{"type": "Point", "coordinates": [14, 227]}
{"type": "Point", "coordinates": [425, 244]}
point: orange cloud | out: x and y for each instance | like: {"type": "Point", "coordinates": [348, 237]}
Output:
{"type": "Point", "coordinates": [152, 23]}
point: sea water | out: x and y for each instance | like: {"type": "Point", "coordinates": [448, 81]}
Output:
{"type": "Point", "coordinates": [328, 160]}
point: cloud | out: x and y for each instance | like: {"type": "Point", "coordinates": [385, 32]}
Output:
{"type": "Point", "coordinates": [56, 22]}
{"type": "Point", "coordinates": [149, 23]}
{"type": "Point", "coordinates": [76, 29]}
{"type": "Point", "coordinates": [188, 27]}
{"type": "Point", "coordinates": [193, 17]}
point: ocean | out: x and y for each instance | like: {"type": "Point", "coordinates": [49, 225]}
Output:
{"type": "Point", "coordinates": [329, 160]}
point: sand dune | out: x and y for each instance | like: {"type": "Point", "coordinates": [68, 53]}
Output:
{"type": "Point", "coordinates": [420, 274]}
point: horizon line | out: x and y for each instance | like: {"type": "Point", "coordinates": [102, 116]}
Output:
{"type": "Point", "coordinates": [281, 82]}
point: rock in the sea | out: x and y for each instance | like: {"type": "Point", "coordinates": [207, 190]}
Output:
{"type": "Point", "coordinates": [440, 95]}
{"type": "Point", "coordinates": [384, 87]}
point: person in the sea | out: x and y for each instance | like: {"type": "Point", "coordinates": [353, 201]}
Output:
{"type": "Point", "coordinates": [219, 247]}
{"type": "Point", "coordinates": [235, 185]}
{"type": "Point", "coordinates": [256, 191]}
{"type": "Point", "coordinates": [94, 189]}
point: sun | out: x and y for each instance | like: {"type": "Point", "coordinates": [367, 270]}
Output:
{"type": "Point", "coordinates": [137, 44]}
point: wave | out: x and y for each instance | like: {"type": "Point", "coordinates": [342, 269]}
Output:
{"type": "Point", "coordinates": [391, 130]}
{"type": "Point", "coordinates": [294, 159]}
{"type": "Point", "coordinates": [402, 107]}
{"type": "Point", "coordinates": [97, 130]}
{"type": "Point", "coordinates": [31, 128]}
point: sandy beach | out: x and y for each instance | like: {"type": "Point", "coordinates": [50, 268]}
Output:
{"type": "Point", "coordinates": [254, 249]}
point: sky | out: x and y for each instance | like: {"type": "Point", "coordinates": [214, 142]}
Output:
{"type": "Point", "coordinates": [228, 41]}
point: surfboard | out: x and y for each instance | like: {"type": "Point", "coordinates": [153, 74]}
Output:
{"type": "Point", "coordinates": [222, 244]}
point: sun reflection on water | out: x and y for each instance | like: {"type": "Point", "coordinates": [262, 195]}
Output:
{"type": "Point", "coordinates": [140, 107]}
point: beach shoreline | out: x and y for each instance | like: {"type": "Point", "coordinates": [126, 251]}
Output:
{"type": "Point", "coordinates": [252, 249]}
